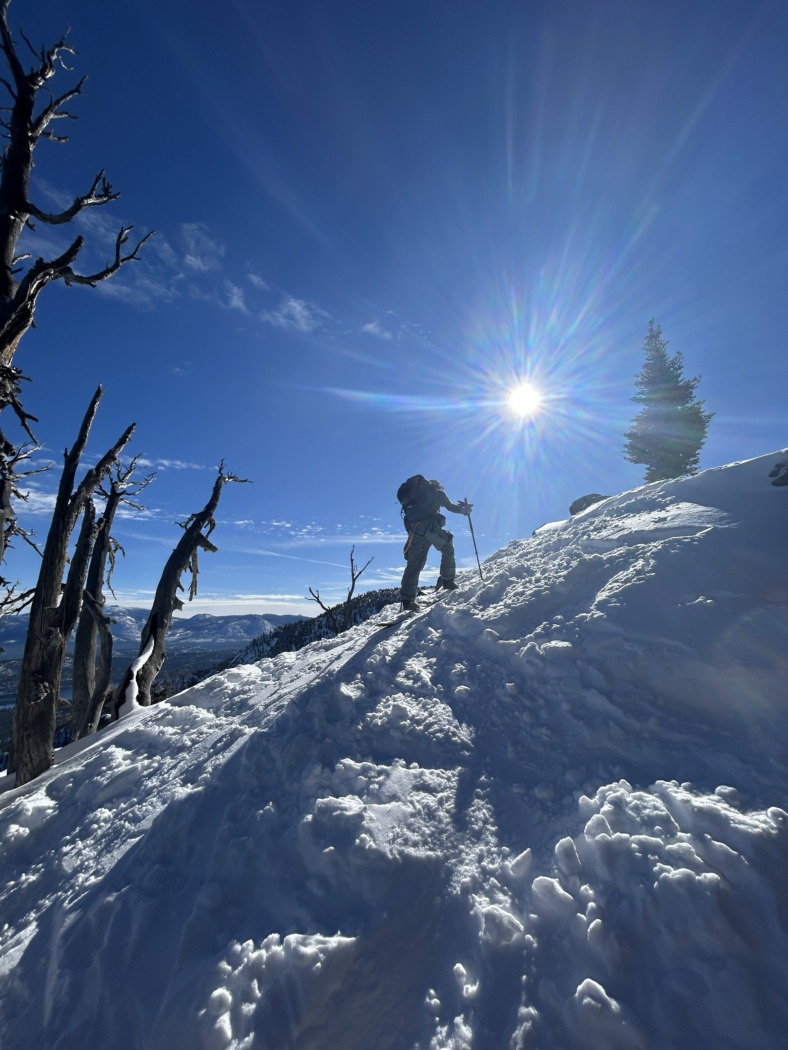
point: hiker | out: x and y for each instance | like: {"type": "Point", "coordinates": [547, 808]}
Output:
{"type": "Point", "coordinates": [421, 503]}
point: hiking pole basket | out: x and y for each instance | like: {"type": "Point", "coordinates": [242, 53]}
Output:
{"type": "Point", "coordinates": [476, 549]}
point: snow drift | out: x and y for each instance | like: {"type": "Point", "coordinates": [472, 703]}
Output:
{"type": "Point", "coordinates": [547, 813]}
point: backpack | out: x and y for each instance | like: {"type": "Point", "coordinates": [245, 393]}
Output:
{"type": "Point", "coordinates": [420, 499]}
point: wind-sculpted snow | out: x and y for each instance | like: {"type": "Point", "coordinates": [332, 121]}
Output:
{"type": "Point", "coordinates": [549, 814]}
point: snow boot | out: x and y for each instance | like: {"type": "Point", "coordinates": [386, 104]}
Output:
{"type": "Point", "coordinates": [409, 606]}
{"type": "Point", "coordinates": [448, 585]}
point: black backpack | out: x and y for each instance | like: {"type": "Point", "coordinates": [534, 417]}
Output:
{"type": "Point", "coordinates": [420, 499]}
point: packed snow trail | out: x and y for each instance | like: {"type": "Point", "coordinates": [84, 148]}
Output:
{"type": "Point", "coordinates": [548, 813]}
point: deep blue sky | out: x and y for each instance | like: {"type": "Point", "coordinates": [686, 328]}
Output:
{"type": "Point", "coordinates": [371, 219]}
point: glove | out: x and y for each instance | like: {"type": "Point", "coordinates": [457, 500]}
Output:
{"type": "Point", "coordinates": [465, 507]}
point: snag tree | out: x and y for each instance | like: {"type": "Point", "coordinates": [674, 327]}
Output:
{"type": "Point", "coordinates": [340, 626]}
{"type": "Point", "coordinates": [55, 605]}
{"type": "Point", "coordinates": [31, 115]}
{"type": "Point", "coordinates": [135, 687]}
{"type": "Point", "coordinates": [90, 680]}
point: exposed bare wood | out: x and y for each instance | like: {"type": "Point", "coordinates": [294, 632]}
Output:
{"type": "Point", "coordinates": [54, 609]}
{"type": "Point", "coordinates": [85, 720]}
{"type": "Point", "coordinates": [85, 201]}
{"type": "Point", "coordinates": [328, 611]}
{"type": "Point", "coordinates": [140, 676]}
{"type": "Point", "coordinates": [347, 605]}
{"type": "Point", "coordinates": [355, 572]}
{"type": "Point", "coordinates": [93, 637]}
{"type": "Point", "coordinates": [10, 478]}
{"type": "Point", "coordinates": [24, 127]}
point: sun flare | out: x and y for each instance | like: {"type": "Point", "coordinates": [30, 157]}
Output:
{"type": "Point", "coordinates": [524, 400]}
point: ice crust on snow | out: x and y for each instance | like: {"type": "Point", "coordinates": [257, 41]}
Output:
{"type": "Point", "coordinates": [550, 813]}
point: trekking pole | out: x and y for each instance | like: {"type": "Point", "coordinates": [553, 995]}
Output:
{"type": "Point", "coordinates": [473, 537]}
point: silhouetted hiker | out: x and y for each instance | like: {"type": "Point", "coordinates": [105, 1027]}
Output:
{"type": "Point", "coordinates": [421, 504]}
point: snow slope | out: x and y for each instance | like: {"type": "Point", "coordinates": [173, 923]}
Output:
{"type": "Point", "coordinates": [550, 813]}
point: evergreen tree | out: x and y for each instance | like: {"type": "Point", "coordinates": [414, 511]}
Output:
{"type": "Point", "coordinates": [668, 432]}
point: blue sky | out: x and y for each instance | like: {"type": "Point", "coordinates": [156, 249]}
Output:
{"type": "Point", "coordinates": [371, 221]}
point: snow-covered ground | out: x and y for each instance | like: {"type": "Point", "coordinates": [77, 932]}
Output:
{"type": "Point", "coordinates": [550, 813]}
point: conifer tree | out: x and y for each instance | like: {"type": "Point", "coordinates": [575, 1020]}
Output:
{"type": "Point", "coordinates": [668, 432]}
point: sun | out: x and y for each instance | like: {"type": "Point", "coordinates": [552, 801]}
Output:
{"type": "Point", "coordinates": [524, 400]}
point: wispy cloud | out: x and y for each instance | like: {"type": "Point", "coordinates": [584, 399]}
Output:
{"type": "Point", "coordinates": [348, 539]}
{"type": "Point", "coordinates": [36, 501]}
{"type": "Point", "coordinates": [235, 297]}
{"type": "Point", "coordinates": [139, 290]}
{"type": "Point", "coordinates": [190, 262]}
{"type": "Point", "coordinates": [284, 535]}
{"type": "Point", "coordinates": [265, 552]}
{"type": "Point", "coordinates": [170, 464]}
{"type": "Point", "coordinates": [298, 314]}
{"type": "Point", "coordinates": [376, 329]}
{"type": "Point", "coordinates": [202, 251]}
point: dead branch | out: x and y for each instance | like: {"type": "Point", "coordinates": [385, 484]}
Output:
{"type": "Point", "coordinates": [355, 572]}
{"type": "Point", "coordinates": [138, 680]}
{"type": "Point", "coordinates": [347, 605]}
{"type": "Point", "coordinates": [25, 124]}
{"type": "Point", "coordinates": [10, 478]}
{"type": "Point", "coordinates": [329, 612]}
{"type": "Point", "coordinates": [87, 200]}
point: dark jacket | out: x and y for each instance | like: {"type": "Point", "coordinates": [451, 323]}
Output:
{"type": "Point", "coordinates": [427, 506]}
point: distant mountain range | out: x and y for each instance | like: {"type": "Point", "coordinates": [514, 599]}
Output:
{"type": "Point", "coordinates": [187, 634]}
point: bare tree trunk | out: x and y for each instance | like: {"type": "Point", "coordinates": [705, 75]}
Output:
{"type": "Point", "coordinates": [135, 687]}
{"type": "Point", "coordinates": [91, 620]}
{"type": "Point", "coordinates": [98, 688]}
{"type": "Point", "coordinates": [355, 572]}
{"type": "Point", "coordinates": [55, 607]}
{"type": "Point", "coordinates": [347, 608]}
{"type": "Point", "coordinates": [88, 684]}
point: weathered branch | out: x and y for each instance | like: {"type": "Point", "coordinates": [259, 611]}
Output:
{"type": "Point", "coordinates": [53, 112]}
{"type": "Point", "coordinates": [11, 476]}
{"type": "Point", "coordinates": [24, 128]}
{"type": "Point", "coordinates": [355, 572]}
{"type": "Point", "coordinates": [10, 390]}
{"type": "Point", "coordinates": [347, 607]}
{"type": "Point", "coordinates": [135, 687]}
{"type": "Point", "coordinates": [111, 268]}
{"type": "Point", "coordinates": [86, 200]}
{"type": "Point", "coordinates": [329, 612]}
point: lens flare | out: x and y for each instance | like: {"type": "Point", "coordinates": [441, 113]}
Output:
{"type": "Point", "coordinates": [524, 400]}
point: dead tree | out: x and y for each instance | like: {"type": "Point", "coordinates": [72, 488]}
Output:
{"type": "Point", "coordinates": [347, 607]}
{"type": "Point", "coordinates": [10, 478]}
{"type": "Point", "coordinates": [89, 681]}
{"type": "Point", "coordinates": [33, 110]}
{"type": "Point", "coordinates": [26, 124]}
{"type": "Point", "coordinates": [135, 687]}
{"type": "Point", "coordinates": [55, 606]}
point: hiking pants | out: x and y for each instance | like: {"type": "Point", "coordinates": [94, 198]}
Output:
{"type": "Point", "coordinates": [429, 533]}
